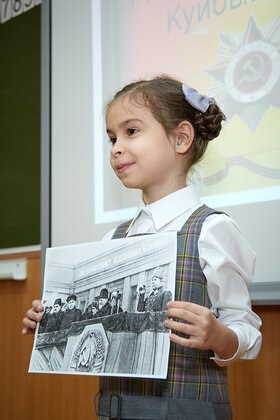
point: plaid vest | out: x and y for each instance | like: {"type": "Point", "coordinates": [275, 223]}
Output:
{"type": "Point", "coordinates": [191, 372]}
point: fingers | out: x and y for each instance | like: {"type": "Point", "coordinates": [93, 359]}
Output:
{"type": "Point", "coordinates": [32, 317]}
{"type": "Point", "coordinates": [30, 321]}
{"type": "Point", "coordinates": [199, 324]}
{"type": "Point", "coordinates": [183, 314]}
{"type": "Point", "coordinates": [37, 306]}
{"type": "Point", "coordinates": [189, 306]}
{"type": "Point", "coordinates": [29, 326]}
{"type": "Point", "coordinates": [185, 342]}
{"type": "Point", "coordinates": [179, 326]}
{"type": "Point", "coordinates": [27, 331]}
{"type": "Point", "coordinates": [182, 328]}
{"type": "Point", "coordinates": [187, 311]}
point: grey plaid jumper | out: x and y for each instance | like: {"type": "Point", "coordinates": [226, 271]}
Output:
{"type": "Point", "coordinates": [192, 374]}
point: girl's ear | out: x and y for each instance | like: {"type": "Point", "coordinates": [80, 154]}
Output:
{"type": "Point", "coordinates": [184, 135]}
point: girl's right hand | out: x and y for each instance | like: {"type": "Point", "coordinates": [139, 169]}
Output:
{"type": "Point", "coordinates": [32, 317]}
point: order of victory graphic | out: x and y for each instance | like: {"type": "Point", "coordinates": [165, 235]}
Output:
{"type": "Point", "coordinates": [246, 84]}
{"type": "Point", "coordinates": [235, 58]}
{"type": "Point", "coordinates": [104, 308]}
{"type": "Point", "coordinates": [248, 72]}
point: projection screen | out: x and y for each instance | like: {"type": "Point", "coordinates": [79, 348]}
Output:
{"type": "Point", "coordinates": [228, 49]}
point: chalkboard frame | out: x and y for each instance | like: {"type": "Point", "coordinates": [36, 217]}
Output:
{"type": "Point", "coordinates": [45, 131]}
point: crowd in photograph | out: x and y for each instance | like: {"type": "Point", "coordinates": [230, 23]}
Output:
{"type": "Point", "coordinates": [60, 315]}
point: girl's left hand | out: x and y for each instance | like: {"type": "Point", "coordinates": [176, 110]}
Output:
{"type": "Point", "coordinates": [201, 328]}
{"type": "Point", "coordinates": [204, 331]}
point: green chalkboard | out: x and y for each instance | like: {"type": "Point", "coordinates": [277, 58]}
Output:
{"type": "Point", "coordinates": [20, 130]}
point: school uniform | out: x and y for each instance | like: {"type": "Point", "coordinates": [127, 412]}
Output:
{"type": "Point", "coordinates": [214, 267]}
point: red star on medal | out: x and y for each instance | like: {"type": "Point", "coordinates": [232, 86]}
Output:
{"type": "Point", "coordinates": [247, 78]}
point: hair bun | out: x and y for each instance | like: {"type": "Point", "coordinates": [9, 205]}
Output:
{"type": "Point", "coordinates": [209, 124]}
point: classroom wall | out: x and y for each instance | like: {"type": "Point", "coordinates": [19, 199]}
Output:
{"type": "Point", "coordinates": [25, 395]}
{"type": "Point", "coordinates": [254, 385]}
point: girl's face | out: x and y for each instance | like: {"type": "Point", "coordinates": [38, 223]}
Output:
{"type": "Point", "coordinates": [142, 154]}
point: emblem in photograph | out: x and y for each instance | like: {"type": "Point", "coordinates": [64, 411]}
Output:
{"type": "Point", "coordinates": [90, 350]}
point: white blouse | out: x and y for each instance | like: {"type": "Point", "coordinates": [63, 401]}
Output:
{"type": "Point", "coordinates": [225, 257]}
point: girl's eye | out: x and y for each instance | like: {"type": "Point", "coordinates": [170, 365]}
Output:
{"type": "Point", "coordinates": [132, 131]}
{"type": "Point", "coordinates": [112, 140]}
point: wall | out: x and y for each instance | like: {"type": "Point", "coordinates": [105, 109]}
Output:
{"type": "Point", "coordinates": [254, 385]}
{"type": "Point", "coordinates": [24, 395]}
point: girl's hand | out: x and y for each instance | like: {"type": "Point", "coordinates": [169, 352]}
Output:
{"type": "Point", "coordinates": [32, 317]}
{"type": "Point", "coordinates": [203, 329]}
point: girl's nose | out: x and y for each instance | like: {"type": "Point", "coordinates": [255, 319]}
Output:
{"type": "Point", "coordinates": [117, 148]}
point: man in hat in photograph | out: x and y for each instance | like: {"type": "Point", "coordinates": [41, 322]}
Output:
{"type": "Point", "coordinates": [45, 315]}
{"type": "Point", "coordinates": [158, 299]}
{"type": "Point", "coordinates": [54, 317]}
{"type": "Point", "coordinates": [115, 302]}
{"type": "Point", "coordinates": [71, 313]}
{"type": "Point", "coordinates": [91, 310]}
{"type": "Point", "coordinates": [104, 307]}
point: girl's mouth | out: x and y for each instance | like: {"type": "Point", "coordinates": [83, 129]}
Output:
{"type": "Point", "coordinates": [123, 167]}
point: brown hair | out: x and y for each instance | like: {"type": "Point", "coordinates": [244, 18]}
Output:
{"type": "Point", "coordinates": [165, 98]}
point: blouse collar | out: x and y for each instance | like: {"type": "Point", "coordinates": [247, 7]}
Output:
{"type": "Point", "coordinates": [169, 207]}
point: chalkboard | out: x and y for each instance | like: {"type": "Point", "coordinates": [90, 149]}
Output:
{"type": "Point", "coordinates": [20, 130]}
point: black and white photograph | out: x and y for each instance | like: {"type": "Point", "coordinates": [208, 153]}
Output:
{"type": "Point", "coordinates": [104, 308]}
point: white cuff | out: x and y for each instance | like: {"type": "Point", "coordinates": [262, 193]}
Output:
{"type": "Point", "coordinates": [249, 344]}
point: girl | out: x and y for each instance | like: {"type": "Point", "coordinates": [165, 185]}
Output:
{"type": "Point", "coordinates": [159, 129]}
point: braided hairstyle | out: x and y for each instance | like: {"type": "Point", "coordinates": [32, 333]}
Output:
{"type": "Point", "coordinates": [163, 95]}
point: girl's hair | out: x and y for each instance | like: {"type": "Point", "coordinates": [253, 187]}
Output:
{"type": "Point", "coordinates": [165, 98]}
